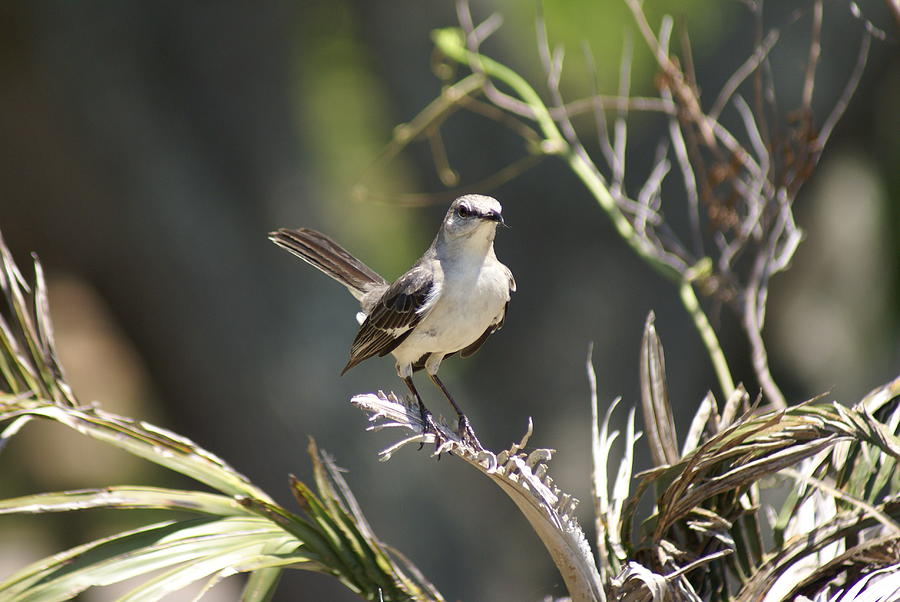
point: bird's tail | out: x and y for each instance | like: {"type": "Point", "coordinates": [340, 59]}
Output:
{"type": "Point", "coordinates": [323, 253]}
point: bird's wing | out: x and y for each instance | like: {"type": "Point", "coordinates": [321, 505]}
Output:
{"type": "Point", "coordinates": [394, 315]}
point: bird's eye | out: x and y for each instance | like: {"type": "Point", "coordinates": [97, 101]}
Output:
{"type": "Point", "coordinates": [463, 211]}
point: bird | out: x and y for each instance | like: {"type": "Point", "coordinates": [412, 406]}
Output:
{"type": "Point", "coordinates": [450, 301]}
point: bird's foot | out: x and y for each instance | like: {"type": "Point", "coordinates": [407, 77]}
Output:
{"type": "Point", "coordinates": [430, 426]}
{"type": "Point", "coordinates": [465, 432]}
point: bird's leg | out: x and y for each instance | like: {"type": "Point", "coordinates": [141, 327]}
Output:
{"type": "Point", "coordinates": [463, 429]}
{"type": "Point", "coordinates": [427, 418]}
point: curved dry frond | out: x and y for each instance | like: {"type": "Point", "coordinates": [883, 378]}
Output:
{"type": "Point", "coordinates": [523, 477]}
{"type": "Point", "coordinates": [708, 520]}
{"type": "Point", "coordinates": [658, 420]}
{"type": "Point", "coordinates": [872, 560]}
{"type": "Point", "coordinates": [844, 525]}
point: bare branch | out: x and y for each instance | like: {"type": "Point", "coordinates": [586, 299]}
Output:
{"type": "Point", "coordinates": [504, 118]}
{"type": "Point", "coordinates": [753, 327]}
{"type": "Point", "coordinates": [487, 27]}
{"type": "Point", "coordinates": [690, 181]}
{"type": "Point", "coordinates": [838, 111]}
{"type": "Point", "coordinates": [491, 182]}
{"type": "Point", "coordinates": [750, 66]}
{"type": "Point", "coordinates": [685, 94]}
{"type": "Point", "coordinates": [502, 100]}
{"type": "Point", "coordinates": [759, 146]}
{"type": "Point", "coordinates": [876, 33]}
{"type": "Point", "coordinates": [437, 111]}
{"type": "Point", "coordinates": [620, 128]}
{"type": "Point", "coordinates": [447, 175]}
{"type": "Point", "coordinates": [761, 89]}
{"type": "Point", "coordinates": [620, 103]}
{"type": "Point", "coordinates": [650, 191]}
{"type": "Point", "coordinates": [815, 49]}
{"type": "Point", "coordinates": [599, 115]}
{"type": "Point", "coordinates": [680, 148]}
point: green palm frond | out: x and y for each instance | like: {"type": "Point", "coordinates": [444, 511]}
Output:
{"type": "Point", "coordinates": [207, 535]}
{"type": "Point", "coordinates": [237, 529]}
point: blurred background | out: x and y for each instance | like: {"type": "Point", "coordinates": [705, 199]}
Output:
{"type": "Point", "coordinates": [146, 148]}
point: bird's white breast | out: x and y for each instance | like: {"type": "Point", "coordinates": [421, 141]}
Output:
{"type": "Point", "coordinates": [469, 301]}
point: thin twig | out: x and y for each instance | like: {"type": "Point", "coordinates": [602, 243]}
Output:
{"type": "Point", "coordinates": [504, 118]}
{"type": "Point", "coordinates": [759, 107]}
{"type": "Point", "coordinates": [690, 184]}
{"type": "Point", "coordinates": [756, 140]}
{"type": "Point", "coordinates": [815, 49]}
{"type": "Point", "coordinates": [751, 65]}
{"type": "Point", "coordinates": [838, 111]}
{"type": "Point", "coordinates": [472, 43]}
{"type": "Point", "coordinates": [620, 129]}
{"type": "Point", "coordinates": [599, 114]}
{"type": "Point", "coordinates": [486, 184]}
{"type": "Point", "coordinates": [447, 175]}
{"type": "Point", "coordinates": [758, 352]}
{"type": "Point", "coordinates": [607, 102]}
{"type": "Point", "coordinates": [651, 190]}
{"type": "Point", "coordinates": [680, 150]}
{"type": "Point", "coordinates": [685, 94]}
{"type": "Point", "coordinates": [433, 114]}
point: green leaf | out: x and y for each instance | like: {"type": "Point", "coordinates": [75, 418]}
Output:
{"type": "Point", "coordinates": [134, 553]}
{"type": "Point", "coordinates": [268, 565]}
{"type": "Point", "coordinates": [123, 497]}
{"type": "Point", "coordinates": [34, 573]}
{"type": "Point", "coordinates": [261, 584]}
{"type": "Point", "coordinates": [144, 440]}
{"type": "Point", "coordinates": [227, 562]}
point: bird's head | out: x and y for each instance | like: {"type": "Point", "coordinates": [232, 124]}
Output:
{"type": "Point", "coordinates": [473, 213]}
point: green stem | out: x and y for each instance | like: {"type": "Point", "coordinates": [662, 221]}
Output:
{"type": "Point", "coordinates": [452, 43]}
{"type": "Point", "coordinates": [708, 335]}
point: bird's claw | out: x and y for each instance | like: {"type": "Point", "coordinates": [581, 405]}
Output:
{"type": "Point", "coordinates": [465, 432]}
{"type": "Point", "coordinates": [431, 427]}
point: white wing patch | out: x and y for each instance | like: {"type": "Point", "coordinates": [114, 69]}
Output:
{"type": "Point", "coordinates": [433, 295]}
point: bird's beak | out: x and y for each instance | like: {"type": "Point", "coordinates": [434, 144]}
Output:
{"type": "Point", "coordinates": [494, 216]}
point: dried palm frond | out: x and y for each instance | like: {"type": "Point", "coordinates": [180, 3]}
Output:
{"type": "Point", "coordinates": [706, 536]}
{"type": "Point", "coordinates": [522, 476]}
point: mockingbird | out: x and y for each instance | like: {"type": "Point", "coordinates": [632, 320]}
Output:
{"type": "Point", "coordinates": [449, 301]}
